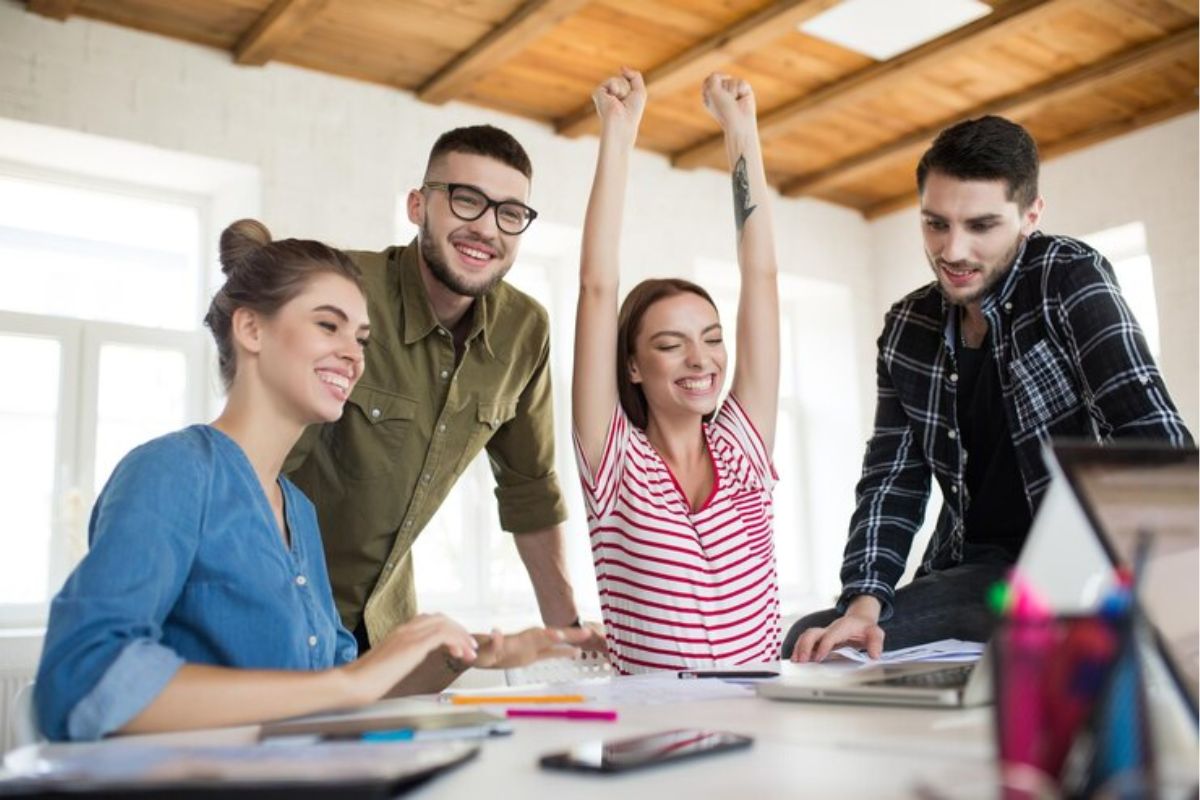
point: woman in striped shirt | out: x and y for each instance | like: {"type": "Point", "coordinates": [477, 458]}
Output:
{"type": "Point", "coordinates": [677, 489]}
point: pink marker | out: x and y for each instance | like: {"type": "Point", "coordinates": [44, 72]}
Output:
{"type": "Point", "coordinates": [562, 713]}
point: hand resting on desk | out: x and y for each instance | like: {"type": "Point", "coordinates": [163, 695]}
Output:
{"type": "Point", "coordinates": [859, 626]}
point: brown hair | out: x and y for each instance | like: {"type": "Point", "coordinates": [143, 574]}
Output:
{"type": "Point", "coordinates": [629, 323]}
{"type": "Point", "coordinates": [263, 275]}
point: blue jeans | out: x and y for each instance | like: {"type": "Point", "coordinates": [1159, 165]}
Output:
{"type": "Point", "coordinates": [945, 604]}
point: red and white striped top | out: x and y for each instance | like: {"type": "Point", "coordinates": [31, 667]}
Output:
{"type": "Point", "coordinates": [682, 589]}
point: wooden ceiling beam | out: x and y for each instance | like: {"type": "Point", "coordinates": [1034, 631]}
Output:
{"type": "Point", "coordinates": [529, 22]}
{"type": "Point", "coordinates": [694, 64]}
{"type": "Point", "coordinates": [279, 25]}
{"type": "Point", "coordinates": [1092, 136]}
{"type": "Point", "coordinates": [55, 9]}
{"type": "Point", "coordinates": [1130, 62]}
{"type": "Point", "coordinates": [880, 77]}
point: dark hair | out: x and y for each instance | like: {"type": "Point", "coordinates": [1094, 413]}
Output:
{"type": "Point", "coordinates": [629, 324]}
{"type": "Point", "coordinates": [483, 140]}
{"type": "Point", "coordinates": [263, 275]}
{"type": "Point", "coordinates": [987, 148]}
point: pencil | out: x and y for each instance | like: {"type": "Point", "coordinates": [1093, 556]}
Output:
{"type": "Point", "coordinates": [478, 699]}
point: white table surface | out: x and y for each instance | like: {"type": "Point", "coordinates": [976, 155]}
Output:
{"type": "Point", "coordinates": [801, 750]}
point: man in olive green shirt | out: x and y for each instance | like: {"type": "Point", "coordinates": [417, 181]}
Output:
{"type": "Point", "coordinates": [458, 361]}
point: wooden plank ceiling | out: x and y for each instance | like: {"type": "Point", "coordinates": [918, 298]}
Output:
{"type": "Point", "coordinates": [836, 124]}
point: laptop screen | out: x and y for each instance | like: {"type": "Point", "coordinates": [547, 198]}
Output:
{"type": "Point", "coordinates": [1126, 490]}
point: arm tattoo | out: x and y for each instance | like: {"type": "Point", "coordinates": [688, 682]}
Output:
{"type": "Point", "coordinates": [741, 195]}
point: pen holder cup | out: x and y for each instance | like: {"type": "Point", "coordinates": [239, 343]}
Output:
{"type": "Point", "coordinates": [1051, 676]}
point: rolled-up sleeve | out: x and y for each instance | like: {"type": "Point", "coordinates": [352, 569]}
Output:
{"type": "Point", "coordinates": [103, 660]}
{"type": "Point", "coordinates": [522, 457]}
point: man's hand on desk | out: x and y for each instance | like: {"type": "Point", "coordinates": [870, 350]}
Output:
{"type": "Point", "coordinates": [859, 627]}
{"type": "Point", "coordinates": [505, 651]}
{"type": "Point", "coordinates": [596, 641]}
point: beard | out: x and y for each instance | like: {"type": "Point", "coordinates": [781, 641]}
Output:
{"type": "Point", "coordinates": [992, 274]}
{"type": "Point", "coordinates": [446, 276]}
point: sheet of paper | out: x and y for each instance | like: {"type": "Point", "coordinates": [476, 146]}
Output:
{"type": "Point", "coordinates": [951, 650]}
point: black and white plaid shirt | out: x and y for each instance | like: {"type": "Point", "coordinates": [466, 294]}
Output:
{"type": "Point", "coordinates": [1072, 362]}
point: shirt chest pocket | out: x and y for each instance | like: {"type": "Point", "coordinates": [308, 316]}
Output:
{"type": "Point", "coordinates": [489, 416]}
{"type": "Point", "coordinates": [368, 439]}
{"type": "Point", "coordinates": [1042, 387]}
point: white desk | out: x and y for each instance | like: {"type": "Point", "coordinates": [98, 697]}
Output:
{"type": "Point", "coordinates": [801, 750]}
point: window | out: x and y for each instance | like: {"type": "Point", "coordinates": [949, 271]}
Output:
{"type": "Point", "coordinates": [818, 434]}
{"type": "Point", "coordinates": [1125, 248]}
{"type": "Point", "coordinates": [100, 319]}
{"type": "Point", "coordinates": [464, 564]}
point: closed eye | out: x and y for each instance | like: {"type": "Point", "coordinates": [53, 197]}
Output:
{"type": "Point", "coordinates": [363, 342]}
{"type": "Point", "coordinates": [329, 326]}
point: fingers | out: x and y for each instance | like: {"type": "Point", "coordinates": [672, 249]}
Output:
{"type": "Point", "coordinates": [803, 650]}
{"type": "Point", "coordinates": [832, 638]}
{"type": "Point", "coordinates": [875, 637]}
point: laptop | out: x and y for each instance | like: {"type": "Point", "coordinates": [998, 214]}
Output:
{"type": "Point", "coordinates": [1098, 497]}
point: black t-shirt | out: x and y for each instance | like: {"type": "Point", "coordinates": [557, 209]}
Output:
{"type": "Point", "coordinates": [997, 512]}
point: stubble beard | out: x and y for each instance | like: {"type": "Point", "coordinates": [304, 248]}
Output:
{"type": "Point", "coordinates": [446, 276]}
{"type": "Point", "coordinates": [990, 279]}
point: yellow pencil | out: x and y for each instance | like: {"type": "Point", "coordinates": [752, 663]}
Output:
{"type": "Point", "coordinates": [475, 699]}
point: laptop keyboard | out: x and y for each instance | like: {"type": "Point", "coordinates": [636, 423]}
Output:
{"type": "Point", "coordinates": [935, 679]}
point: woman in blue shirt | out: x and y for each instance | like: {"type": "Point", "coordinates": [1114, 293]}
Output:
{"type": "Point", "coordinates": [204, 599]}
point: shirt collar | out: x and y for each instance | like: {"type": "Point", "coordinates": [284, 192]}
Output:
{"type": "Point", "coordinates": [419, 319]}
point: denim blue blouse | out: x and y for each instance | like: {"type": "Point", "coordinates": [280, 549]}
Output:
{"type": "Point", "coordinates": [186, 565]}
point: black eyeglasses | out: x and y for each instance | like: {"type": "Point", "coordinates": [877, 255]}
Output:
{"type": "Point", "coordinates": [469, 204]}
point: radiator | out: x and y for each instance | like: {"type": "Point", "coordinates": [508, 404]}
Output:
{"type": "Point", "coordinates": [10, 681]}
{"type": "Point", "coordinates": [19, 651]}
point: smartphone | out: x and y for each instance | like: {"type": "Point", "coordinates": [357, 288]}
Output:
{"type": "Point", "coordinates": [622, 755]}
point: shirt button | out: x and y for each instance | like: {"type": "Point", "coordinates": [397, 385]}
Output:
{"type": "Point", "coordinates": [408, 523]}
{"type": "Point", "coordinates": [442, 428]}
{"type": "Point", "coordinates": [954, 377]}
{"type": "Point", "coordinates": [425, 478]}
{"type": "Point", "coordinates": [312, 641]}
{"type": "Point", "coordinates": [1145, 379]}
{"type": "Point", "coordinates": [1008, 306]}
{"type": "Point", "coordinates": [443, 332]}
{"type": "Point", "coordinates": [375, 412]}
{"type": "Point", "coordinates": [951, 435]}
{"type": "Point", "coordinates": [301, 580]}
{"type": "Point", "coordinates": [445, 374]}
{"type": "Point", "coordinates": [953, 490]}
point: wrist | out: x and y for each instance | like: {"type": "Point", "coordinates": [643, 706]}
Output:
{"type": "Point", "coordinates": [865, 606]}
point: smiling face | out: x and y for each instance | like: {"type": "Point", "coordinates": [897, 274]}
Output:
{"type": "Point", "coordinates": [468, 258]}
{"type": "Point", "coordinates": [972, 232]}
{"type": "Point", "coordinates": [310, 352]}
{"type": "Point", "coordinates": [679, 356]}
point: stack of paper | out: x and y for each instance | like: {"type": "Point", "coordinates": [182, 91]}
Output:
{"type": "Point", "coordinates": [953, 650]}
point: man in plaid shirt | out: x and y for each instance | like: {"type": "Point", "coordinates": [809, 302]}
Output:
{"type": "Point", "coordinates": [1022, 338]}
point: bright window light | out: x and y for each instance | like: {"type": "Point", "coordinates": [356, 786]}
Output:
{"type": "Point", "coordinates": [885, 28]}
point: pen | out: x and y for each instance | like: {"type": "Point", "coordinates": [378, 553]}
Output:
{"type": "Point", "coordinates": [478, 699]}
{"type": "Point", "coordinates": [563, 713]}
{"type": "Point", "coordinates": [744, 674]}
{"type": "Point", "coordinates": [398, 735]}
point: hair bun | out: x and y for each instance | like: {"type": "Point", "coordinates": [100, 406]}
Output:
{"type": "Point", "coordinates": [240, 241]}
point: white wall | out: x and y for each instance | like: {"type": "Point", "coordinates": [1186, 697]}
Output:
{"type": "Point", "coordinates": [333, 156]}
{"type": "Point", "coordinates": [1148, 176]}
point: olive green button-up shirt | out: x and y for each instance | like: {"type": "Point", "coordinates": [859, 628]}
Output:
{"type": "Point", "coordinates": [414, 422]}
